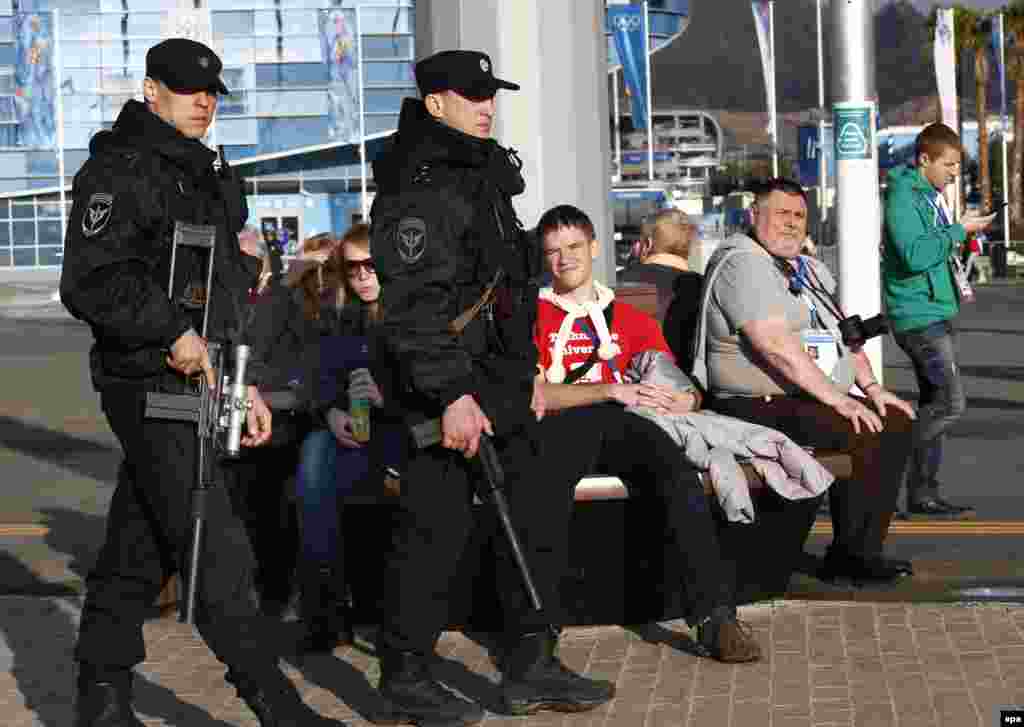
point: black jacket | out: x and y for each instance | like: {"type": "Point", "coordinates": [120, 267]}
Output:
{"type": "Point", "coordinates": [141, 178]}
{"type": "Point", "coordinates": [442, 226]}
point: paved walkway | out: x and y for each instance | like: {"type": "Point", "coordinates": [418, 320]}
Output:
{"type": "Point", "coordinates": [829, 664]}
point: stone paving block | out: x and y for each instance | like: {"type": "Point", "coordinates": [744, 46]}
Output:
{"type": "Point", "coordinates": [668, 715]}
{"type": "Point", "coordinates": [749, 714]}
{"type": "Point", "coordinates": [709, 711]}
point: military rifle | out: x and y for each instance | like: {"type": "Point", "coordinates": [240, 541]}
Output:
{"type": "Point", "coordinates": [218, 411]}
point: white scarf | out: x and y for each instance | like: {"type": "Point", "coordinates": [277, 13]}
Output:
{"type": "Point", "coordinates": [594, 310]}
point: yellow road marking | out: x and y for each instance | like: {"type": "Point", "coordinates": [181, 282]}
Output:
{"type": "Point", "coordinates": [24, 531]}
{"type": "Point", "coordinates": [940, 527]}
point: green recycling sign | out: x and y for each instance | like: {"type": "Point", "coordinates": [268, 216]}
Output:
{"type": "Point", "coordinates": [854, 134]}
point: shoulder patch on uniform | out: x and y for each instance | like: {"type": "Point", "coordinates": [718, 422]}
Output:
{"type": "Point", "coordinates": [411, 239]}
{"type": "Point", "coordinates": [97, 213]}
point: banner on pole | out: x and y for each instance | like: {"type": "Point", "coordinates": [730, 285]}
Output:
{"type": "Point", "coordinates": [945, 65]}
{"type": "Point", "coordinates": [997, 45]}
{"type": "Point", "coordinates": [34, 93]}
{"type": "Point", "coordinates": [627, 26]}
{"type": "Point", "coordinates": [340, 52]}
{"type": "Point", "coordinates": [762, 23]}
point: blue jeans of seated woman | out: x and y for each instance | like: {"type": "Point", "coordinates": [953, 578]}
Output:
{"type": "Point", "coordinates": [328, 472]}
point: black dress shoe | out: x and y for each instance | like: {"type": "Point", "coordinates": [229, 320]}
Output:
{"type": "Point", "coordinates": [905, 567]}
{"type": "Point", "coordinates": [954, 506]}
{"type": "Point", "coordinates": [861, 570]}
{"type": "Point", "coordinates": [934, 507]}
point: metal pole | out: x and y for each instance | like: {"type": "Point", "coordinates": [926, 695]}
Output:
{"type": "Point", "coordinates": [822, 166]}
{"type": "Point", "coordinates": [1006, 126]}
{"type": "Point", "coordinates": [858, 206]}
{"type": "Point", "coordinates": [650, 94]}
{"type": "Point", "coordinates": [58, 70]}
{"type": "Point", "coordinates": [774, 108]}
{"type": "Point", "coordinates": [618, 126]}
{"type": "Point", "coordinates": [364, 198]}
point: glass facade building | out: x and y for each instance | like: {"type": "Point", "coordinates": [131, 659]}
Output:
{"type": "Point", "coordinates": [283, 61]}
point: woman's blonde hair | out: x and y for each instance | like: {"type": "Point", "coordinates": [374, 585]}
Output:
{"type": "Point", "coordinates": [358, 236]}
{"type": "Point", "coordinates": [316, 281]}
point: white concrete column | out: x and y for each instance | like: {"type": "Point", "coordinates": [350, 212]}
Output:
{"type": "Point", "coordinates": [558, 122]}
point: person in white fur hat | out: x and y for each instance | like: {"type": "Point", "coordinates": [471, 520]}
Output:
{"type": "Point", "coordinates": [585, 340]}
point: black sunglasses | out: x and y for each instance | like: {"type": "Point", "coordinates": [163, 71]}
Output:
{"type": "Point", "coordinates": [367, 264]}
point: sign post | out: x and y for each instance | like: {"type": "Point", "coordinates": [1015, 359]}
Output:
{"type": "Point", "coordinates": [858, 204]}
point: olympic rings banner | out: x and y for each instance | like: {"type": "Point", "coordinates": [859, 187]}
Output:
{"type": "Point", "coordinates": [626, 23]}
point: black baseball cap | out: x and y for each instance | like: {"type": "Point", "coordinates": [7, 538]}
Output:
{"type": "Point", "coordinates": [185, 65]}
{"type": "Point", "coordinates": [467, 72]}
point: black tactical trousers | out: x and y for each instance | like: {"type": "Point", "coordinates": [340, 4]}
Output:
{"type": "Point", "coordinates": [605, 439]}
{"type": "Point", "coordinates": [148, 534]}
{"type": "Point", "coordinates": [433, 529]}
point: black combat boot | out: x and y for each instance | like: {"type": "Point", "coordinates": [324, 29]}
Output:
{"type": "Point", "coordinates": [324, 613]}
{"type": "Point", "coordinates": [276, 702]}
{"type": "Point", "coordinates": [417, 697]}
{"type": "Point", "coordinates": [534, 679]}
{"type": "Point", "coordinates": [105, 702]}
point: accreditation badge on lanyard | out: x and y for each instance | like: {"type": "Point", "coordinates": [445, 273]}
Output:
{"type": "Point", "coordinates": [820, 343]}
{"type": "Point", "coordinates": [964, 290]}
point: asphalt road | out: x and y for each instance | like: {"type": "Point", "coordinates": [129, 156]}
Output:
{"type": "Point", "coordinates": [58, 459]}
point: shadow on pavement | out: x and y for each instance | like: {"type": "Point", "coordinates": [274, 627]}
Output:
{"type": "Point", "coordinates": [82, 456]}
{"type": "Point", "coordinates": [40, 636]}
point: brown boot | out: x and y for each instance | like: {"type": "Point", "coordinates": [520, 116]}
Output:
{"type": "Point", "coordinates": [727, 639]}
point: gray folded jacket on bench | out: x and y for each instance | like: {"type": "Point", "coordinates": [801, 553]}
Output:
{"type": "Point", "coordinates": [713, 443]}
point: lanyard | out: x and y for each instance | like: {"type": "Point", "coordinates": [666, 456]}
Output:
{"type": "Point", "coordinates": [940, 208]}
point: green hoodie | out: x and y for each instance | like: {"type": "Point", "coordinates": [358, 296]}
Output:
{"type": "Point", "coordinates": [917, 285]}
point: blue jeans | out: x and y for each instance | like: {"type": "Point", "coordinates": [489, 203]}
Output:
{"type": "Point", "coordinates": [932, 350]}
{"type": "Point", "coordinates": [327, 472]}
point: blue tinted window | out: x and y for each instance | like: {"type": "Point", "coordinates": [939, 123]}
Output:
{"type": "Point", "coordinates": [50, 255]}
{"type": "Point", "coordinates": [291, 133]}
{"type": "Point", "coordinates": [378, 20]}
{"type": "Point", "coordinates": [384, 122]}
{"type": "Point", "coordinates": [23, 210]}
{"type": "Point", "coordinates": [5, 210]}
{"type": "Point", "coordinates": [24, 234]}
{"type": "Point", "coordinates": [387, 47]}
{"type": "Point", "coordinates": [41, 162]}
{"type": "Point", "coordinates": [6, 54]}
{"type": "Point", "coordinates": [49, 232]}
{"type": "Point", "coordinates": [391, 74]}
{"type": "Point", "coordinates": [233, 23]}
{"type": "Point", "coordinates": [282, 75]}
{"type": "Point", "coordinates": [386, 101]}
{"type": "Point", "coordinates": [25, 256]}
{"type": "Point", "coordinates": [5, 257]}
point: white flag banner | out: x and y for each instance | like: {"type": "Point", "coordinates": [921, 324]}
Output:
{"type": "Point", "coordinates": [762, 23]}
{"type": "Point", "coordinates": [945, 65]}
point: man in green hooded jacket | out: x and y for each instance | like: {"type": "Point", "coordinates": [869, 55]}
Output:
{"type": "Point", "coordinates": [922, 298]}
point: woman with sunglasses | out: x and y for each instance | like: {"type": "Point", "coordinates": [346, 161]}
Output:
{"type": "Point", "coordinates": [334, 458]}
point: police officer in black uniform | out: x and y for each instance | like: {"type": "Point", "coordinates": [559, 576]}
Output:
{"type": "Point", "coordinates": [458, 280]}
{"type": "Point", "coordinates": [144, 178]}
